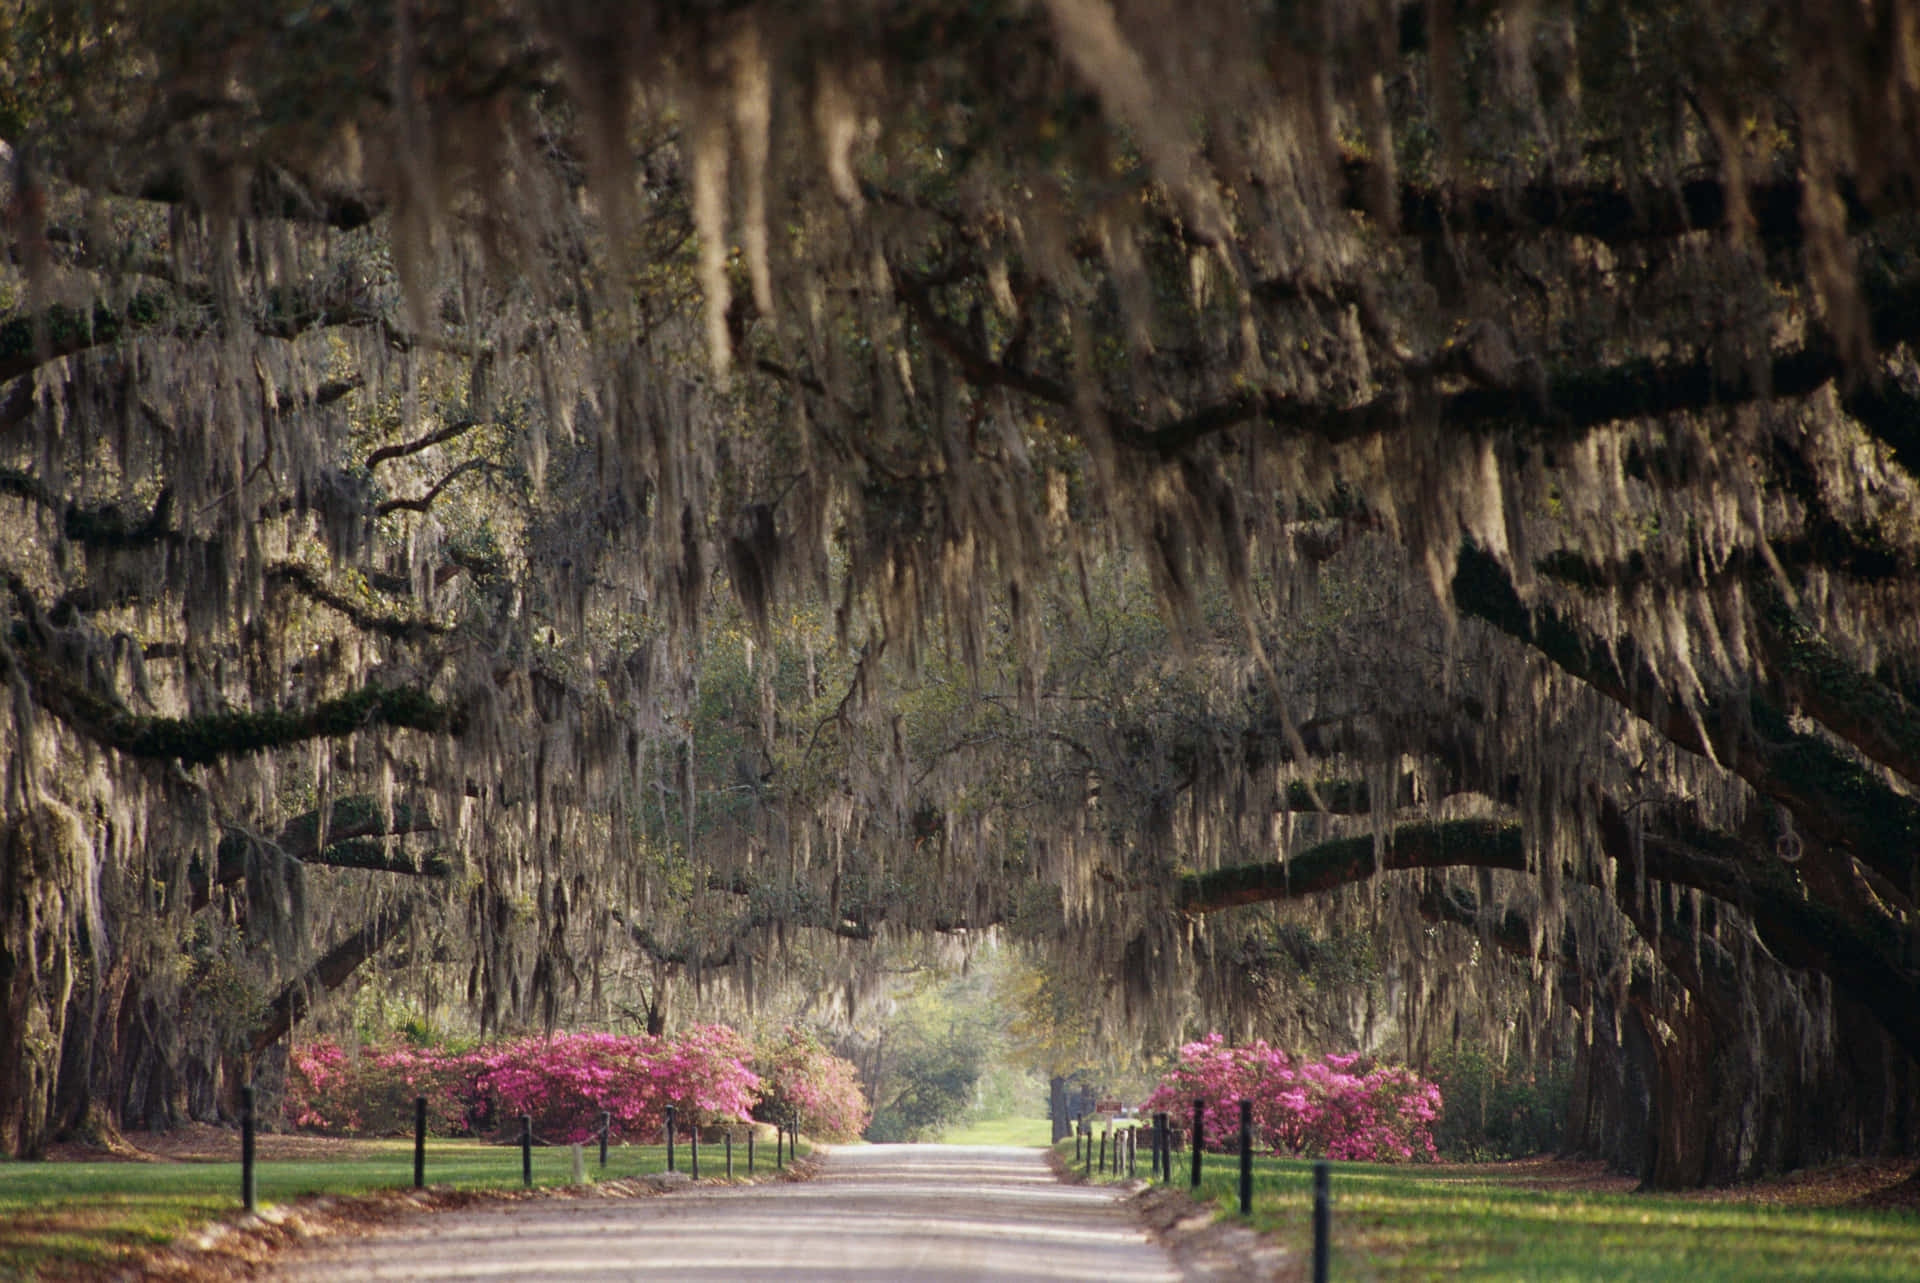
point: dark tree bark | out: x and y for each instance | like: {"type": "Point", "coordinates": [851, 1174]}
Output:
{"type": "Point", "coordinates": [332, 970]}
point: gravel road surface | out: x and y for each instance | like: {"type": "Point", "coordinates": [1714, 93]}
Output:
{"type": "Point", "coordinates": [879, 1212]}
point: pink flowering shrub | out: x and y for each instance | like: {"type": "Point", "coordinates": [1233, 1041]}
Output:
{"type": "Point", "coordinates": [563, 1082]}
{"type": "Point", "coordinates": [1337, 1107]}
{"type": "Point", "coordinates": [371, 1091]}
{"type": "Point", "coordinates": [800, 1076]}
{"type": "Point", "coordinates": [566, 1081]}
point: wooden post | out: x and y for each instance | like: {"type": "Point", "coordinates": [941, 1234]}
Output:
{"type": "Point", "coordinates": [1199, 1139]}
{"type": "Point", "coordinates": [1322, 1220]}
{"type": "Point", "coordinates": [419, 1142]}
{"type": "Point", "coordinates": [249, 1188]}
{"type": "Point", "coordinates": [1246, 1158]}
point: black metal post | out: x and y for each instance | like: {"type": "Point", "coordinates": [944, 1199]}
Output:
{"type": "Point", "coordinates": [749, 1148]}
{"type": "Point", "coordinates": [670, 1113]}
{"type": "Point", "coordinates": [1133, 1151]}
{"type": "Point", "coordinates": [1103, 1153]}
{"type": "Point", "coordinates": [1079, 1131]}
{"type": "Point", "coordinates": [249, 1190]}
{"type": "Point", "coordinates": [1162, 1156]}
{"type": "Point", "coordinates": [779, 1136]}
{"type": "Point", "coordinates": [1322, 1221]}
{"type": "Point", "coordinates": [693, 1151]}
{"type": "Point", "coordinates": [1199, 1139]}
{"type": "Point", "coordinates": [1246, 1158]}
{"type": "Point", "coordinates": [419, 1142]}
{"type": "Point", "coordinates": [729, 1155]}
{"type": "Point", "coordinates": [606, 1125]}
{"type": "Point", "coordinates": [526, 1150]}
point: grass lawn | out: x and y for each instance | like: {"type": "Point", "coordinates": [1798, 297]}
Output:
{"type": "Point", "coordinates": [1403, 1223]}
{"type": "Point", "coordinates": [1033, 1132]}
{"type": "Point", "coordinates": [61, 1218]}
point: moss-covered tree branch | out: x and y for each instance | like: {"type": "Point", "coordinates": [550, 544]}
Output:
{"type": "Point", "coordinates": [212, 737]}
{"type": "Point", "coordinates": [1342, 861]}
{"type": "Point", "coordinates": [354, 828]}
{"type": "Point", "coordinates": [1829, 794]}
{"type": "Point", "coordinates": [329, 972]}
{"type": "Point", "coordinates": [1863, 955]}
{"type": "Point", "coordinates": [309, 584]}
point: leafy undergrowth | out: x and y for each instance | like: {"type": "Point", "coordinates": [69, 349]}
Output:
{"type": "Point", "coordinates": [88, 1219]}
{"type": "Point", "coordinates": [1545, 1221]}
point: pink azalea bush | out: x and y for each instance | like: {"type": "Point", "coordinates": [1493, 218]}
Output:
{"type": "Point", "coordinates": [564, 1082]}
{"type": "Point", "coordinates": [800, 1076]}
{"type": "Point", "coordinates": [333, 1089]}
{"type": "Point", "coordinates": [1338, 1107]}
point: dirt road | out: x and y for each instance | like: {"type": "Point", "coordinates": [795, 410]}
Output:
{"type": "Point", "coordinates": [881, 1212]}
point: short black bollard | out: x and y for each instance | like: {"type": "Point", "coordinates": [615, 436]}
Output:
{"type": "Point", "coordinates": [1322, 1221]}
{"type": "Point", "coordinates": [526, 1150]}
{"type": "Point", "coordinates": [1103, 1153]}
{"type": "Point", "coordinates": [419, 1142]}
{"type": "Point", "coordinates": [693, 1152]}
{"type": "Point", "coordinates": [1079, 1132]}
{"type": "Point", "coordinates": [1133, 1151]}
{"type": "Point", "coordinates": [1162, 1156]}
{"type": "Point", "coordinates": [729, 1155]}
{"type": "Point", "coordinates": [249, 1190]}
{"type": "Point", "coordinates": [1199, 1139]}
{"type": "Point", "coordinates": [779, 1136]}
{"type": "Point", "coordinates": [670, 1112]}
{"type": "Point", "coordinates": [1246, 1158]}
{"type": "Point", "coordinates": [606, 1126]}
{"type": "Point", "coordinates": [749, 1148]}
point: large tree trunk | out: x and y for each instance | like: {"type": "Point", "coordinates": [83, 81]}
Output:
{"type": "Point", "coordinates": [45, 875]}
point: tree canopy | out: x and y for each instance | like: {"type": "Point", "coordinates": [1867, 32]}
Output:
{"type": "Point", "coordinates": [539, 486]}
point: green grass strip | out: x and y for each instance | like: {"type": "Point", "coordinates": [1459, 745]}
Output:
{"type": "Point", "coordinates": [1031, 1133]}
{"type": "Point", "coordinates": [1404, 1223]}
{"type": "Point", "coordinates": [56, 1217]}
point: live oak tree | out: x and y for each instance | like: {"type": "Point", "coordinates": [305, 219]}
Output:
{"type": "Point", "coordinates": [388, 387]}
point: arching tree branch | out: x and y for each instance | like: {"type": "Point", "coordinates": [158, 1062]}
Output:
{"type": "Point", "coordinates": [1829, 794]}
{"type": "Point", "coordinates": [332, 970]}
{"type": "Point", "coordinates": [1479, 843]}
{"type": "Point", "coordinates": [309, 584]}
{"type": "Point", "coordinates": [199, 741]}
{"type": "Point", "coordinates": [439, 436]}
{"type": "Point", "coordinates": [425, 501]}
